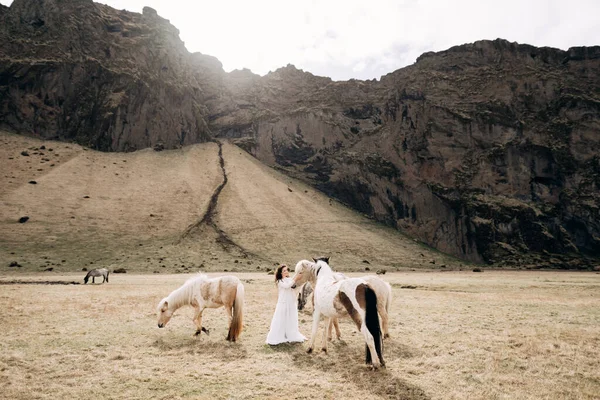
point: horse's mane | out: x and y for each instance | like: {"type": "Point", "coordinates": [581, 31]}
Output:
{"type": "Point", "coordinates": [197, 277]}
{"type": "Point", "coordinates": [322, 266]}
{"type": "Point", "coordinates": [183, 295]}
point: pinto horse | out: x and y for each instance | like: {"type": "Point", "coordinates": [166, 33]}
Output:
{"type": "Point", "coordinates": [201, 292]}
{"type": "Point", "coordinates": [354, 297]}
{"type": "Point", "coordinates": [308, 277]}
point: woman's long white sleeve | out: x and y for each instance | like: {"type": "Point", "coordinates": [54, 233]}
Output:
{"type": "Point", "coordinates": [286, 283]}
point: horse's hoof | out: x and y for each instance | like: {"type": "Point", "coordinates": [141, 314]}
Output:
{"type": "Point", "coordinates": [205, 330]}
{"type": "Point", "coordinates": [386, 336]}
{"type": "Point", "coordinates": [309, 350]}
{"type": "Point", "coordinates": [197, 332]}
{"type": "Point", "coordinates": [377, 366]}
{"type": "Point", "coordinates": [324, 350]}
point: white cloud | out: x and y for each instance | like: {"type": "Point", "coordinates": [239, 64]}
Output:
{"type": "Point", "coordinates": [364, 39]}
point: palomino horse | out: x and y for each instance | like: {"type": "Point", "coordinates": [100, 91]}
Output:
{"type": "Point", "coordinates": [351, 296]}
{"type": "Point", "coordinates": [308, 276]}
{"type": "Point", "coordinates": [103, 272]}
{"type": "Point", "coordinates": [201, 292]}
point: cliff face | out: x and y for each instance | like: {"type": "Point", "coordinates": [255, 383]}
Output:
{"type": "Point", "coordinates": [112, 80]}
{"type": "Point", "coordinates": [488, 151]}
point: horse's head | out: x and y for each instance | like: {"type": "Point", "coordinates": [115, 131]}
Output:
{"type": "Point", "coordinates": [321, 266]}
{"type": "Point", "coordinates": [304, 269]}
{"type": "Point", "coordinates": [164, 313]}
{"type": "Point", "coordinates": [326, 259]}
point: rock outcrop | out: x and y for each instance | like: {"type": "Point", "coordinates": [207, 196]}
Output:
{"type": "Point", "coordinates": [489, 151]}
{"type": "Point", "coordinates": [112, 80]}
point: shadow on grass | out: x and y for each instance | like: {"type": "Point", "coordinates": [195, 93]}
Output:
{"type": "Point", "coordinates": [349, 362]}
{"type": "Point", "coordinates": [207, 347]}
{"type": "Point", "coordinates": [284, 347]}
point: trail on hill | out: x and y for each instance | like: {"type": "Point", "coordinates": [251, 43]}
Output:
{"type": "Point", "coordinates": [211, 211]}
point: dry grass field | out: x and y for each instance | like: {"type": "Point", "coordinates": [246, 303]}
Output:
{"type": "Point", "coordinates": [455, 335]}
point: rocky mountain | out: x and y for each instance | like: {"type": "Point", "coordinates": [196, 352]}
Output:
{"type": "Point", "coordinates": [114, 80]}
{"type": "Point", "coordinates": [489, 151]}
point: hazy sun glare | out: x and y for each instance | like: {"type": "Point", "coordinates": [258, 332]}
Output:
{"type": "Point", "coordinates": [364, 40]}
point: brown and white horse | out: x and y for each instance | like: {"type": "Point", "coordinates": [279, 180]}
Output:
{"type": "Point", "coordinates": [201, 292]}
{"type": "Point", "coordinates": [354, 297]}
{"type": "Point", "coordinates": [308, 276]}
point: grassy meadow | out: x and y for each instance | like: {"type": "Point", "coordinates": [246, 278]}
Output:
{"type": "Point", "coordinates": [455, 335]}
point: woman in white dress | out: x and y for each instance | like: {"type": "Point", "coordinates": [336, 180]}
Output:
{"type": "Point", "coordinates": [284, 325]}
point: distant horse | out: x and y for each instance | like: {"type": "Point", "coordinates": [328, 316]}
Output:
{"type": "Point", "coordinates": [354, 297]}
{"type": "Point", "coordinates": [308, 276]}
{"type": "Point", "coordinates": [201, 292]}
{"type": "Point", "coordinates": [103, 272]}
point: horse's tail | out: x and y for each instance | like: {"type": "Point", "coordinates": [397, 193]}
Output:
{"type": "Point", "coordinates": [389, 298]}
{"type": "Point", "coordinates": [238, 311]}
{"type": "Point", "coordinates": [372, 323]}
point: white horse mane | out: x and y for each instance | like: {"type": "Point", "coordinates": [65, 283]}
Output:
{"type": "Point", "coordinates": [184, 294]}
{"type": "Point", "coordinates": [314, 268]}
{"type": "Point", "coordinates": [197, 277]}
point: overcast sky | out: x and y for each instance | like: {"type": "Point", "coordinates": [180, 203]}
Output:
{"type": "Point", "coordinates": [364, 39]}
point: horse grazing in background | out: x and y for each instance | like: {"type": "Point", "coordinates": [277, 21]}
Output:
{"type": "Point", "coordinates": [103, 272]}
{"type": "Point", "coordinates": [201, 292]}
{"type": "Point", "coordinates": [354, 297]}
{"type": "Point", "coordinates": [308, 276]}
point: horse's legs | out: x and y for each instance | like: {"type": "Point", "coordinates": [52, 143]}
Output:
{"type": "Point", "coordinates": [93, 279]}
{"type": "Point", "coordinates": [229, 312]}
{"type": "Point", "coordinates": [334, 323]}
{"type": "Point", "coordinates": [384, 319]}
{"type": "Point", "coordinates": [371, 344]}
{"type": "Point", "coordinates": [198, 322]}
{"type": "Point", "coordinates": [325, 332]}
{"type": "Point", "coordinates": [315, 327]}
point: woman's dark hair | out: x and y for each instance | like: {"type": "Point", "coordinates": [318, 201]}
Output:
{"type": "Point", "coordinates": [279, 273]}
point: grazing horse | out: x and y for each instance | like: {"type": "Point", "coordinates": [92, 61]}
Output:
{"type": "Point", "coordinates": [354, 297]}
{"type": "Point", "coordinates": [103, 272]}
{"type": "Point", "coordinates": [308, 276]}
{"type": "Point", "coordinates": [201, 292]}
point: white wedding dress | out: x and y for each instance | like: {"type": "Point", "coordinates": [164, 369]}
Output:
{"type": "Point", "coordinates": [284, 325]}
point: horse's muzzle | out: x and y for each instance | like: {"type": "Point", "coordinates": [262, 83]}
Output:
{"type": "Point", "coordinates": [161, 325]}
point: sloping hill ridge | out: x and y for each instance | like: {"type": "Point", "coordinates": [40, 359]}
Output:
{"type": "Point", "coordinates": [148, 211]}
{"type": "Point", "coordinates": [487, 151]}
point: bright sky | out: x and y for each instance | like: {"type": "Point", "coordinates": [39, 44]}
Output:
{"type": "Point", "coordinates": [364, 39]}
